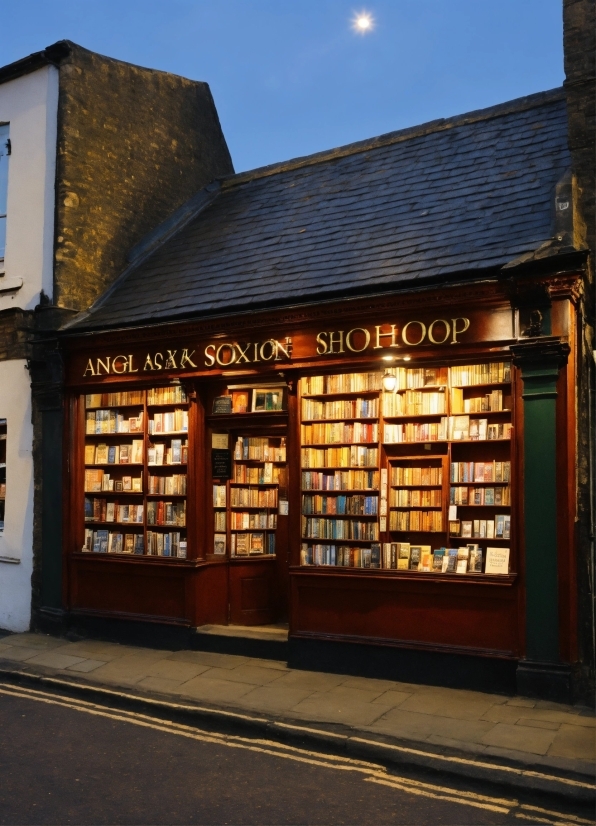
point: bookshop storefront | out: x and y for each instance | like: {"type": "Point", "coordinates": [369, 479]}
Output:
{"type": "Point", "coordinates": [394, 473]}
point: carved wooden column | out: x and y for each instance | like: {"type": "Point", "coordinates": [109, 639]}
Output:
{"type": "Point", "coordinates": [541, 673]}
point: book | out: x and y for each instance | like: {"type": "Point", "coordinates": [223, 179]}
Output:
{"type": "Point", "coordinates": [219, 544]}
{"type": "Point", "coordinates": [257, 543]}
{"type": "Point", "coordinates": [240, 401]}
{"type": "Point", "coordinates": [466, 528]}
{"type": "Point", "coordinates": [222, 405]}
{"type": "Point", "coordinates": [101, 455]}
{"type": "Point", "coordinates": [426, 560]}
{"type": "Point", "coordinates": [475, 563]}
{"type": "Point", "coordinates": [438, 559]}
{"type": "Point", "coordinates": [415, 557]}
{"type": "Point", "coordinates": [242, 544]}
{"type": "Point", "coordinates": [452, 557]}
{"type": "Point", "coordinates": [497, 561]}
{"type": "Point", "coordinates": [375, 555]}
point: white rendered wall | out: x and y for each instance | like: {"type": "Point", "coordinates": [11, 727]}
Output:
{"type": "Point", "coordinates": [30, 105]}
{"type": "Point", "coordinates": [16, 540]}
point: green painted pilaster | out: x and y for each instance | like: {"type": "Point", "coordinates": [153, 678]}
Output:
{"type": "Point", "coordinates": [540, 360]}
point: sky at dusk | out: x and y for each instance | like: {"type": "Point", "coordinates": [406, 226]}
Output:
{"type": "Point", "coordinates": [292, 77]}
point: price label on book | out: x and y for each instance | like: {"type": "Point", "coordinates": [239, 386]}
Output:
{"type": "Point", "coordinates": [221, 464]}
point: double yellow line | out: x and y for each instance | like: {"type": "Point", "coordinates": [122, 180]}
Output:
{"type": "Point", "coordinates": [370, 772]}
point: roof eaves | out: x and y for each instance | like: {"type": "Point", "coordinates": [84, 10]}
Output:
{"type": "Point", "coordinates": [51, 56]}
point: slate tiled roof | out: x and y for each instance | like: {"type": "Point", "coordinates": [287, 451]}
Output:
{"type": "Point", "coordinates": [451, 198]}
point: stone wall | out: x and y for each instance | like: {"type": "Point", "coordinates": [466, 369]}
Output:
{"type": "Point", "coordinates": [133, 145]}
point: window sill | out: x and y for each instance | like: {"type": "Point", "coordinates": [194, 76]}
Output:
{"type": "Point", "coordinates": [10, 284]}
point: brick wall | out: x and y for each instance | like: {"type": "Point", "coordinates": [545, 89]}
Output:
{"type": "Point", "coordinates": [133, 145]}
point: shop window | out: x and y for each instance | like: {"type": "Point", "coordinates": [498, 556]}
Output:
{"type": "Point", "coordinates": [2, 471]}
{"type": "Point", "coordinates": [4, 155]}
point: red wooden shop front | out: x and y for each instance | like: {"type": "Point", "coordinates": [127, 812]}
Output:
{"type": "Point", "coordinates": [474, 612]}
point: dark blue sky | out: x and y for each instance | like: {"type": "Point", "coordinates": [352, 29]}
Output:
{"type": "Point", "coordinates": [290, 77]}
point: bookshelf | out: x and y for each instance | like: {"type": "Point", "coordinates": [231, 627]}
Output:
{"type": "Point", "coordinates": [2, 472]}
{"type": "Point", "coordinates": [434, 462]}
{"type": "Point", "coordinates": [135, 477]}
{"type": "Point", "coordinates": [340, 462]}
{"type": "Point", "coordinates": [242, 399]}
{"type": "Point", "coordinates": [258, 472]}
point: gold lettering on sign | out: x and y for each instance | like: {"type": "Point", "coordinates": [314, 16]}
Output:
{"type": "Point", "coordinates": [222, 348]}
{"type": "Point", "coordinates": [242, 354]}
{"type": "Point", "coordinates": [349, 343]}
{"type": "Point", "coordinates": [431, 337]}
{"type": "Point", "coordinates": [158, 361]}
{"type": "Point", "coordinates": [322, 345]}
{"type": "Point", "coordinates": [171, 361]}
{"type": "Point", "coordinates": [89, 368]}
{"type": "Point", "coordinates": [187, 359]}
{"type": "Point", "coordinates": [210, 357]}
{"type": "Point", "coordinates": [456, 332]}
{"type": "Point", "coordinates": [118, 366]}
{"type": "Point", "coordinates": [422, 336]}
{"type": "Point", "coordinates": [130, 370]}
{"type": "Point", "coordinates": [381, 335]}
{"type": "Point", "coordinates": [413, 334]}
{"type": "Point", "coordinates": [339, 340]}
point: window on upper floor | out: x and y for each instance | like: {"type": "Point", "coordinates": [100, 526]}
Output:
{"type": "Point", "coordinates": [4, 155]}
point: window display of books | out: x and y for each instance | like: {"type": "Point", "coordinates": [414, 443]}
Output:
{"type": "Point", "coordinates": [258, 471]}
{"type": "Point", "coordinates": [130, 500]}
{"type": "Point", "coordinates": [461, 413]}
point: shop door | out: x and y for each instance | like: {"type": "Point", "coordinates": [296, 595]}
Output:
{"type": "Point", "coordinates": [258, 527]}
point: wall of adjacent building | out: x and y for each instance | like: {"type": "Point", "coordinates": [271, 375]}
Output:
{"type": "Point", "coordinates": [134, 145]}
{"type": "Point", "coordinates": [16, 556]}
{"type": "Point", "coordinates": [29, 104]}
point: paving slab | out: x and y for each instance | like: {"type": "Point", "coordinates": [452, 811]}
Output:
{"type": "Point", "coordinates": [448, 703]}
{"type": "Point", "coordinates": [54, 659]}
{"type": "Point", "coordinates": [176, 670]}
{"type": "Point", "coordinates": [346, 694]}
{"type": "Point", "coordinates": [546, 724]}
{"type": "Point", "coordinates": [414, 725]}
{"type": "Point", "coordinates": [329, 709]}
{"type": "Point", "coordinates": [392, 698]}
{"type": "Point", "coordinates": [253, 675]}
{"type": "Point", "coordinates": [130, 668]}
{"type": "Point", "coordinates": [313, 680]}
{"type": "Point", "coordinates": [519, 738]}
{"type": "Point", "coordinates": [218, 692]}
{"type": "Point", "coordinates": [86, 666]}
{"type": "Point", "coordinates": [161, 684]}
{"type": "Point", "coordinates": [572, 741]}
{"type": "Point", "coordinates": [209, 658]}
{"type": "Point", "coordinates": [17, 653]}
{"type": "Point", "coordinates": [268, 698]}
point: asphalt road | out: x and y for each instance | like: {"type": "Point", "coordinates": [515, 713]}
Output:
{"type": "Point", "coordinates": [66, 761]}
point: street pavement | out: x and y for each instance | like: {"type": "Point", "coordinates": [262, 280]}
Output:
{"type": "Point", "coordinates": [544, 736]}
{"type": "Point", "coordinates": [64, 760]}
